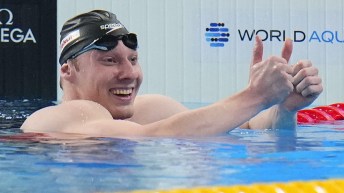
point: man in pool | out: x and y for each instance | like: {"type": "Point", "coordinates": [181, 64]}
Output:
{"type": "Point", "coordinates": [101, 76]}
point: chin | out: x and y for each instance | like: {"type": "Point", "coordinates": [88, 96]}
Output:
{"type": "Point", "coordinates": [122, 113]}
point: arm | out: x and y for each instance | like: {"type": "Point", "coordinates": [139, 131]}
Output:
{"type": "Point", "coordinates": [217, 118]}
{"type": "Point", "coordinates": [307, 87]}
{"type": "Point", "coordinates": [271, 82]}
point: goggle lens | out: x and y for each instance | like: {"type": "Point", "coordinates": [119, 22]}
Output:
{"type": "Point", "coordinates": [110, 42]}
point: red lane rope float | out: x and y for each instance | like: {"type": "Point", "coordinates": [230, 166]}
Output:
{"type": "Point", "coordinates": [321, 114]}
{"type": "Point", "coordinates": [338, 105]}
{"type": "Point", "coordinates": [25, 137]}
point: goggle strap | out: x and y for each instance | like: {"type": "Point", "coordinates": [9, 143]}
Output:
{"type": "Point", "coordinates": [125, 38]}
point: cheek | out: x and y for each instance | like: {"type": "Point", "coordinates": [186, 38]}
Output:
{"type": "Point", "coordinates": [139, 75]}
{"type": "Point", "coordinates": [92, 80]}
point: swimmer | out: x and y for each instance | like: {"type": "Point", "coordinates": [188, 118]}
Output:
{"type": "Point", "coordinates": [100, 76]}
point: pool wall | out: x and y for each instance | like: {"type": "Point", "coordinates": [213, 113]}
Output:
{"type": "Point", "coordinates": [179, 59]}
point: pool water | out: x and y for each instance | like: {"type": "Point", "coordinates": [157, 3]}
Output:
{"type": "Point", "coordinates": [37, 163]}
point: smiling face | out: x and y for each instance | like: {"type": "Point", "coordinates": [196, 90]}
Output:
{"type": "Point", "coordinates": [110, 78]}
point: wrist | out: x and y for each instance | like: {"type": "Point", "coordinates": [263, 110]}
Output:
{"type": "Point", "coordinates": [284, 110]}
{"type": "Point", "coordinates": [259, 99]}
{"type": "Point", "coordinates": [284, 118]}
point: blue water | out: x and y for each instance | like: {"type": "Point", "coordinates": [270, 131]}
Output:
{"type": "Point", "coordinates": [35, 163]}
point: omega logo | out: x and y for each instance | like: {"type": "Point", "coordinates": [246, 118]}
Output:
{"type": "Point", "coordinates": [15, 35]}
{"type": "Point", "coordinates": [10, 16]}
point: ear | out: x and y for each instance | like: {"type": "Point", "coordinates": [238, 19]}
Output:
{"type": "Point", "coordinates": [66, 71]}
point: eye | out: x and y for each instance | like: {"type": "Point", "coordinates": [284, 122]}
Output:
{"type": "Point", "coordinates": [133, 59]}
{"type": "Point", "coordinates": [110, 60]}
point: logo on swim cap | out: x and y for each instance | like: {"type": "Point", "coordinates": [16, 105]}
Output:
{"type": "Point", "coordinates": [70, 37]}
{"type": "Point", "coordinates": [112, 26]}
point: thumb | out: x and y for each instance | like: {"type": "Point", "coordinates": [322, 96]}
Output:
{"type": "Point", "coordinates": [287, 49]}
{"type": "Point", "coordinates": [257, 51]}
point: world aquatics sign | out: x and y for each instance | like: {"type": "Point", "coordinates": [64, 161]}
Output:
{"type": "Point", "coordinates": [326, 36]}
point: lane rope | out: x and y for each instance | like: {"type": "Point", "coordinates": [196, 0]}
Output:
{"type": "Point", "coordinates": [321, 114]}
{"type": "Point", "coordinates": [325, 186]}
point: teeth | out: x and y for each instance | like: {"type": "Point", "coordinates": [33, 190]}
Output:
{"type": "Point", "coordinates": [122, 91]}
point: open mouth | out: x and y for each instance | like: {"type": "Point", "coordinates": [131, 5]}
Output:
{"type": "Point", "coordinates": [123, 92]}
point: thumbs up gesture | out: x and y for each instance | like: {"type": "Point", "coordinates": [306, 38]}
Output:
{"type": "Point", "coordinates": [271, 79]}
{"type": "Point", "coordinates": [292, 87]}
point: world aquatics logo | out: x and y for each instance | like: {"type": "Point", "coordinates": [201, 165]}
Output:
{"type": "Point", "coordinates": [217, 34]}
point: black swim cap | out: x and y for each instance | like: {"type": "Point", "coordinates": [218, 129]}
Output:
{"type": "Point", "coordinates": [81, 30]}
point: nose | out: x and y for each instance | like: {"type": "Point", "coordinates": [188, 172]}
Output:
{"type": "Point", "coordinates": [128, 67]}
{"type": "Point", "coordinates": [127, 70]}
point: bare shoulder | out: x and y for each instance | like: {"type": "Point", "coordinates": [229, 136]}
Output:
{"type": "Point", "coordinates": [154, 107]}
{"type": "Point", "coordinates": [55, 118]}
{"type": "Point", "coordinates": [154, 99]}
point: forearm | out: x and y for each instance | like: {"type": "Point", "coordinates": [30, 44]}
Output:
{"type": "Point", "coordinates": [217, 118]}
{"type": "Point", "coordinates": [275, 117]}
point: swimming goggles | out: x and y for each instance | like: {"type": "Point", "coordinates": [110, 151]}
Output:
{"type": "Point", "coordinates": [109, 42]}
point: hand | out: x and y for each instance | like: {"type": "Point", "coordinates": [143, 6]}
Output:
{"type": "Point", "coordinates": [307, 86]}
{"type": "Point", "coordinates": [271, 79]}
